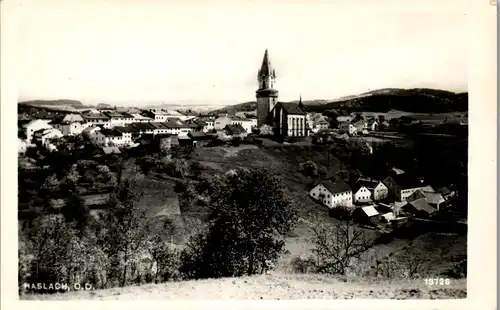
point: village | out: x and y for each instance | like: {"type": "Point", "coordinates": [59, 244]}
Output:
{"type": "Point", "coordinates": [379, 203]}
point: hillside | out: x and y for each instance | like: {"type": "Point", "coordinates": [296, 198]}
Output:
{"type": "Point", "coordinates": [59, 102]}
{"type": "Point", "coordinates": [422, 100]}
{"type": "Point", "coordinates": [272, 286]}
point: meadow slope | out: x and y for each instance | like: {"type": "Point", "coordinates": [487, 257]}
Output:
{"type": "Point", "coordinates": [272, 286]}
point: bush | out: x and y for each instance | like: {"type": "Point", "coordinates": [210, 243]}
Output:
{"type": "Point", "coordinates": [341, 212]}
{"type": "Point", "coordinates": [236, 141]}
{"type": "Point", "coordinates": [309, 169]}
{"type": "Point", "coordinates": [301, 265]}
{"type": "Point", "coordinates": [217, 142]}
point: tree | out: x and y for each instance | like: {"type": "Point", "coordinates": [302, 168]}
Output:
{"type": "Point", "coordinates": [196, 168]}
{"type": "Point", "coordinates": [266, 130]}
{"type": "Point", "coordinates": [75, 210]}
{"type": "Point", "coordinates": [250, 217]}
{"type": "Point", "coordinates": [309, 169]}
{"type": "Point", "coordinates": [125, 233]}
{"type": "Point", "coordinates": [236, 141]}
{"type": "Point", "coordinates": [381, 118]}
{"type": "Point", "coordinates": [337, 247]}
{"type": "Point", "coordinates": [51, 184]}
{"type": "Point", "coordinates": [357, 117]}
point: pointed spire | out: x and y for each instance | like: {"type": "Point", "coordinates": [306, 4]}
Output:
{"type": "Point", "coordinates": [266, 68]}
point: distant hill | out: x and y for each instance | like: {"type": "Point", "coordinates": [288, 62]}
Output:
{"type": "Point", "coordinates": [423, 100]}
{"type": "Point", "coordinates": [59, 102]}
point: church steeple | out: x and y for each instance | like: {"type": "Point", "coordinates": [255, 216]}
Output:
{"type": "Point", "coordinates": [266, 70]}
{"type": "Point", "coordinates": [267, 96]}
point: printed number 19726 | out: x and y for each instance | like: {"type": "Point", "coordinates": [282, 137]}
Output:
{"type": "Point", "coordinates": [437, 281]}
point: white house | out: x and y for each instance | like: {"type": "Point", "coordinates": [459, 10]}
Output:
{"type": "Point", "coordinates": [222, 121]}
{"type": "Point", "coordinates": [377, 190]}
{"type": "Point", "coordinates": [43, 136]}
{"type": "Point", "coordinates": [96, 119]}
{"type": "Point", "coordinates": [113, 137]}
{"type": "Point", "coordinates": [332, 194]}
{"type": "Point", "coordinates": [247, 124]}
{"type": "Point", "coordinates": [70, 125]}
{"type": "Point", "coordinates": [138, 118]}
{"type": "Point", "coordinates": [402, 186]}
{"type": "Point", "coordinates": [35, 125]}
{"type": "Point", "coordinates": [348, 128]}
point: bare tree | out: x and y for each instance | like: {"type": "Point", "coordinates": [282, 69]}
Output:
{"type": "Point", "coordinates": [338, 246]}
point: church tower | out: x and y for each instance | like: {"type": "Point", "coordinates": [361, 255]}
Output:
{"type": "Point", "coordinates": [267, 96]}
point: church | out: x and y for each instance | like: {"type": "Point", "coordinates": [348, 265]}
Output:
{"type": "Point", "coordinates": [286, 118]}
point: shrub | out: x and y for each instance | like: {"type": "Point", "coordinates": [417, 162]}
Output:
{"type": "Point", "coordinates": [341, 212]}
{"type": "Point", "coordinates": [301, 265]}
{"type": "Point", "coordinates": [309, 169]}
{"type": "Point", "coordinates": [236, 141]}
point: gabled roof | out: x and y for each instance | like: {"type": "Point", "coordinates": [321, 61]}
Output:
{"type": "Point", "coordinates": [443, 191]}
{"type": "Point", "coordinates": [336, 187]}
{"type": "Point", "coordinates": [198, 136]}
{"type": "Point", "coordinates": [99, 116]}
{"type": "Point", "coordinates": [422, 205]}
{"type": "Point", "coordinates": [235, 129]}
{"type": "Point", "coordinates": [125, 129]}
{"type": "Point", "coordinates": [111, 133]}
{"type": "Point", "coordinates": [407, 181]}
{"type": "Point", "coordinates": [291, 108]}
{"type": "Point", "coordinates": [143, 126]}
{"type": "Point", "coordinates": [370, 211]}
{"type": "Point", "coordinates": [111, 150]}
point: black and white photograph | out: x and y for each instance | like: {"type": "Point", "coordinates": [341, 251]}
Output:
{"type": "Point", "coordinates": [242, 151]}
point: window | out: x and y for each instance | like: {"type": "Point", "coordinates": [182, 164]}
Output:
{"type": "Point", "coordinates": [328, 195]}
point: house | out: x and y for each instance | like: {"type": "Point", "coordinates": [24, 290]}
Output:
{"type": "Point", "coordinates": [118, 136]}
{"type": "Point", "coordinates": [366, 190]}
{"type": "Point", "coordinates": [111, 150]}
{"type": "Point", "coordinates": [419, 208]}
{"type": "Point", "coordinates": [373, 125]}
{"type": "Point", "coordinates": [344, 119]}
{"type": "Point", "coordinates": [119, 118]}
{"type": "Point", "coordinates": [202, 124]}
{"type": "Point", "coordinates": [366, 215]}
{"type": "Point", "coordinates": [361, 125]}
{"type": "Point", "coordinates": [433, 198]}
{"type": "Point", "coordinates": [33, 126]}
{"type": "Point", "coordinates": [323, 136]}
{"type": "Point", "coordinates": [222, 121]}
{"type": "Point", "coordinates": [96, 119]}
{"type": "Point", "coordinates": [200, 138]}
{"type": "Point", "coordinates": [247, 124]}
{"type": "Point", "coordinates": [402, 186]}
{"type": "Point", "coordinates": [349, 128]}
{"type": "Point", "coordinates": [43, 137]}
{"type": "Point", "coordinates": [233, 131]}
{"type": "Point", "coordinates": [138, 118]}
{"type": "Point", "coordinates": [332, 194]}
{"type": "Point", "coordinates": [184, 140]}
{"type": "Point", "coordinates": [445, 192]}
{"type": "Point", "coordinates": [69, 125]}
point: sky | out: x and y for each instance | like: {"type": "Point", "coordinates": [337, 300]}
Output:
{"type": "Point", "coordinates": [192, 52]}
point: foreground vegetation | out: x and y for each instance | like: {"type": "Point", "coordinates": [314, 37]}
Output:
{"type": "Point", "coordinates": [252, 209]}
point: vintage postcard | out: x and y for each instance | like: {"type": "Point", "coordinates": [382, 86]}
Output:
{"type": "Point", "coordinates": [267, 151]}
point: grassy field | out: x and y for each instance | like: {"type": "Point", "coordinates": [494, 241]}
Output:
{"type": "Point", "coordinates": [271, 287]}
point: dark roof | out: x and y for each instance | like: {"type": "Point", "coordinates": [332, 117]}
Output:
{"type": "Point", "coordinates": [235, 129]}
{"type": "Point", "coordinates": [158, 125]}
{"type": "Point", "coordinates": [266, 69]}
{"type": "Point", "coordinates": [406, 180]}
{"type": "Point", "coordinates": [292, 108]}
{"type": "Point", "coordinates": [422, 205]}
{"type": "Point", "coordinates": [110, 132]}
{"type": "Point", "coordinates": [143, 126]}
{"type": "Point", "coordinates": [57, 120]}
{"type": "Point", "coordinates": [174, 140]}
{"type": "Point", "coordinates": [94, 116]}
{"type": "Point", "coordinates": [125, 129]}
{"type": "Point", "coordinates": [172, 125]}
{"type": "Point", "coordinates": [443, 190]}
{"type": "Point", "coordinates": [198, 136]}
{"type": "Point", "coordinates": [369, 184]}
{"type": "Point", "coordinates": [336, 187]}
